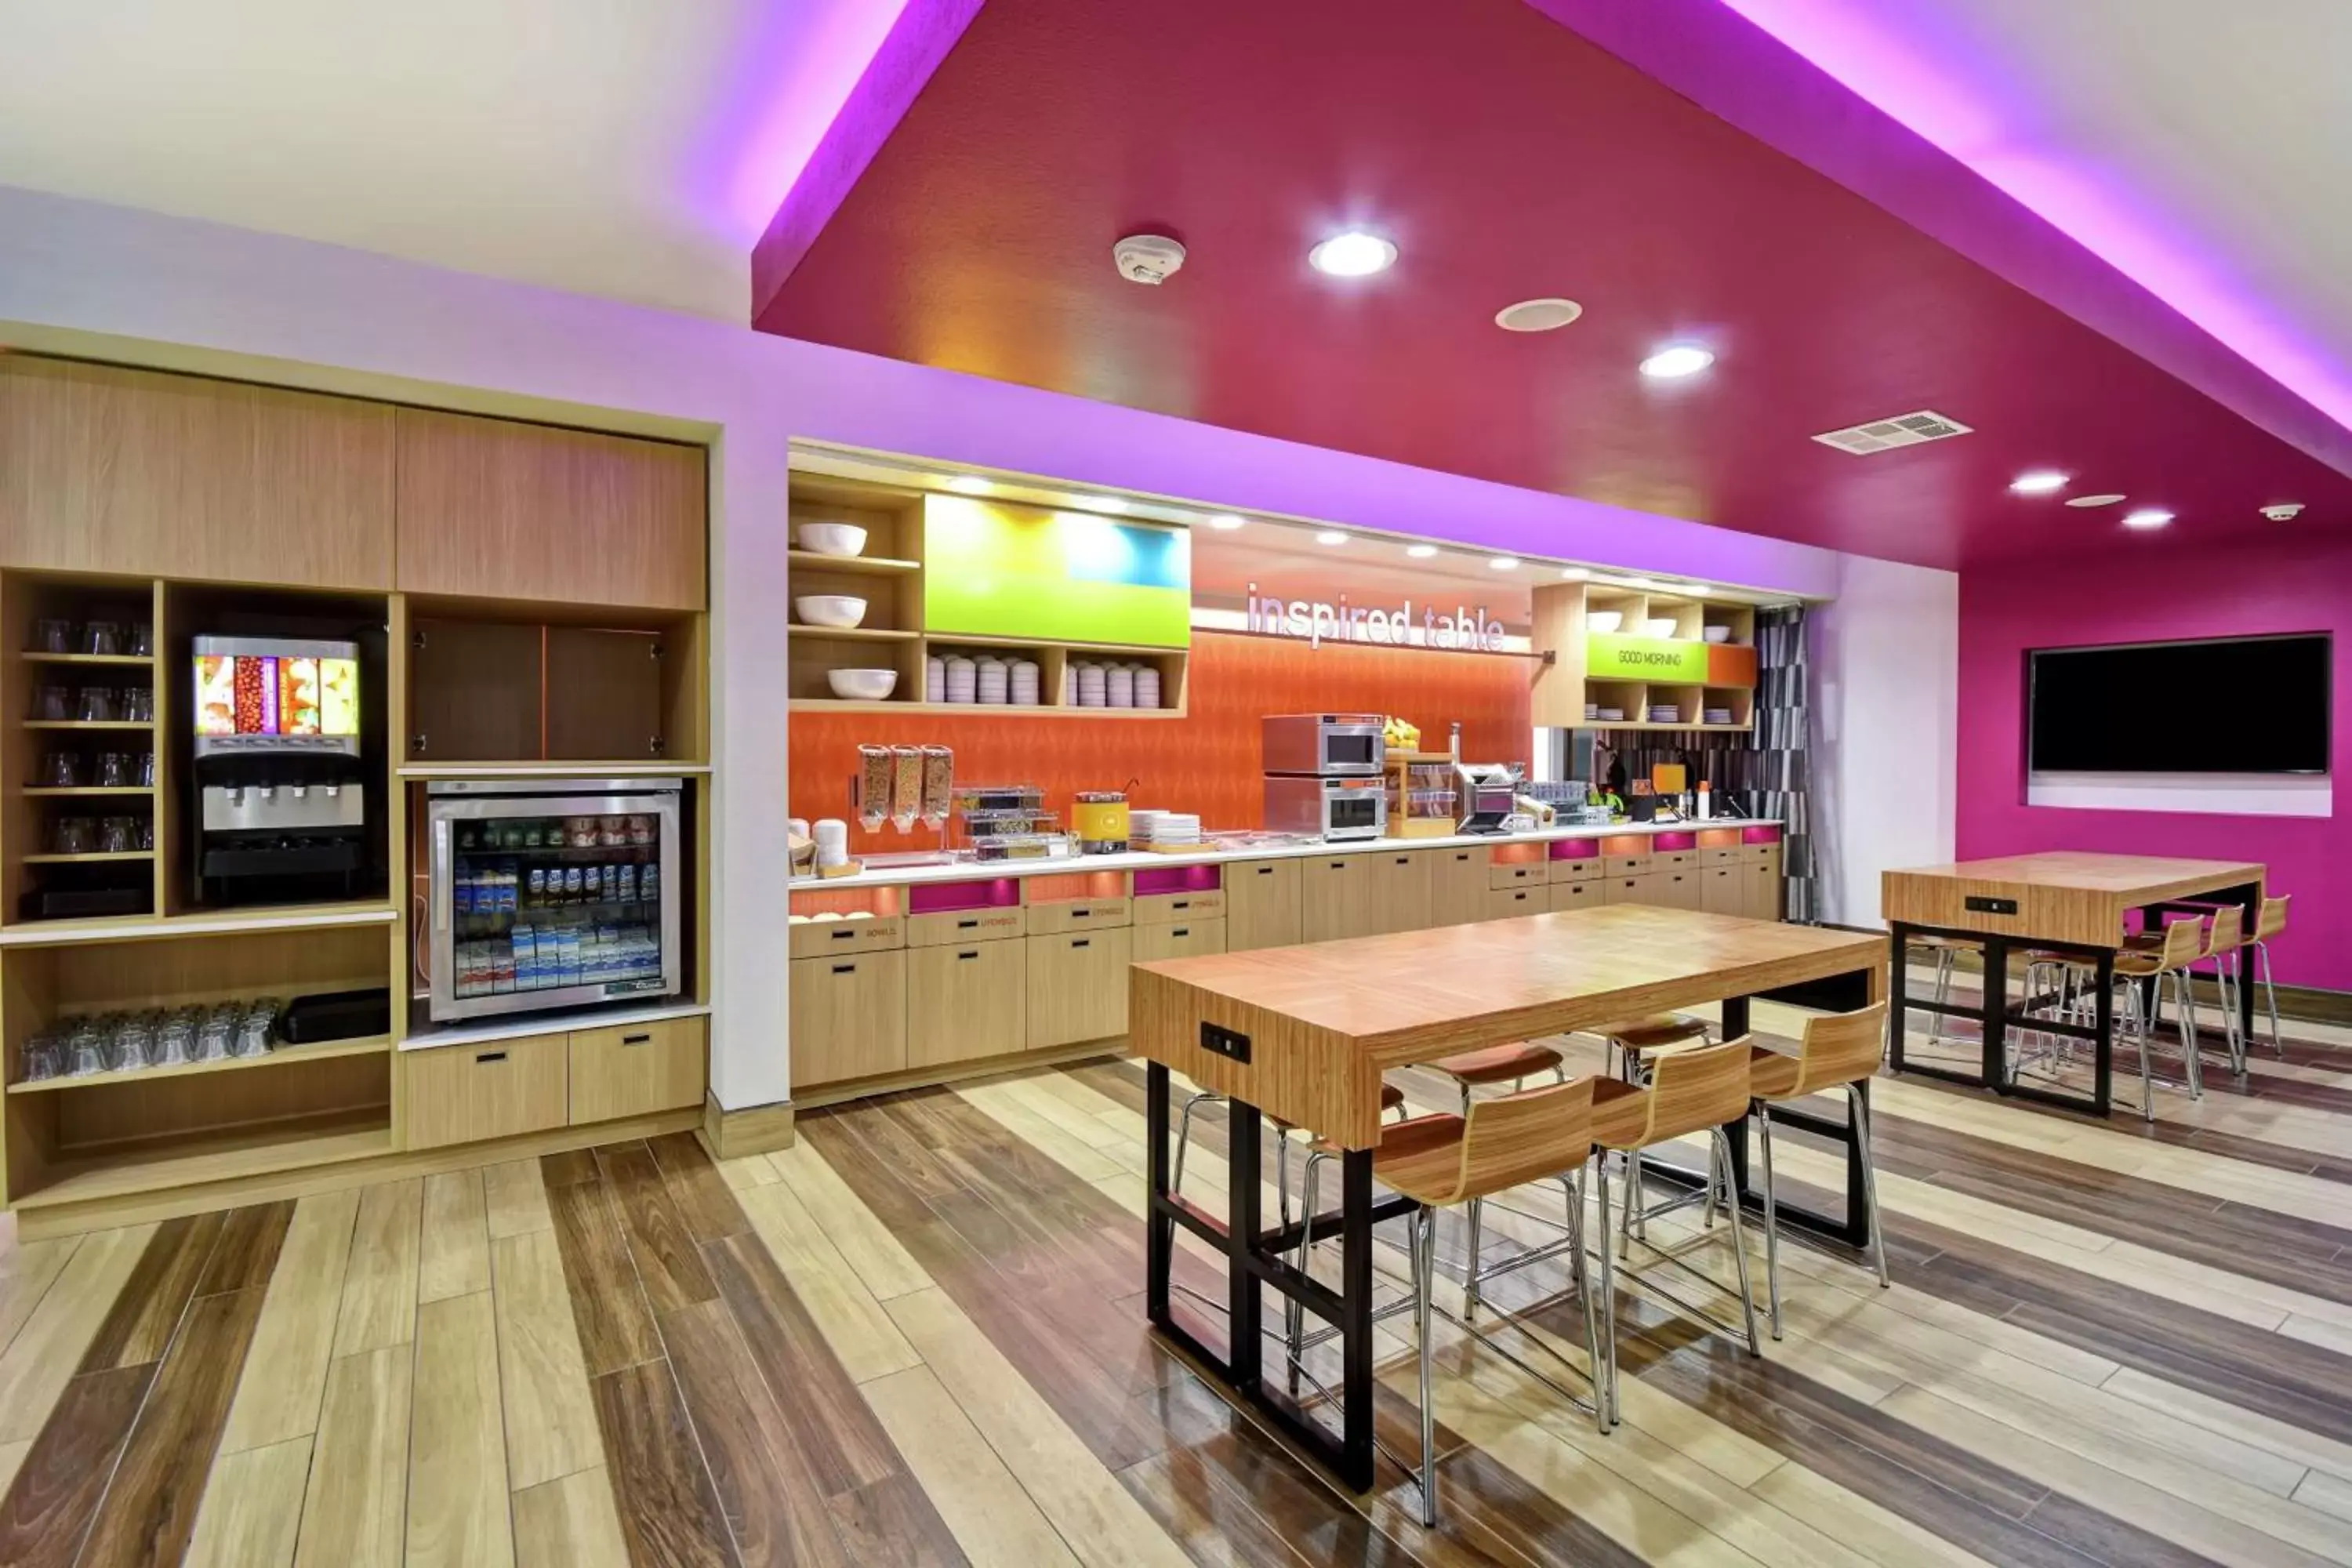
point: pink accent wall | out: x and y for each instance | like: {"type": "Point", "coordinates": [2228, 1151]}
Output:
{"type": "Point", "coordinates": [2290, 589]}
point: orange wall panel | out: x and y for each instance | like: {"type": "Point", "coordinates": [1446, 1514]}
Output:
{"type": "Point", "coordinates": [1205, 762]}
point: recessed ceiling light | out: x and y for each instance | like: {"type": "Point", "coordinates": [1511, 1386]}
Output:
{"type": "Point", "coordinates": [1574, 574]}
{"type": "Point", "coordinates": [1504, 562]}
{"type": "Point", "coordinates": [1421, 552]}
{"type": "Point", "coordinates": [1545, 315]}
{"type": "Point", "coordinates": [1225, 522]}
{"type": "Point", "coordinates": [968, 485]}
{"type": "Point", "coordinates": [1330, 536]}
{"type": "Point", "coordinates": [1354, 254]}
{"type": "Point", "coordinates": [1672, 363]}
{"type": "Point", "coordinates": [2040, 482]}
{"type": "Point", "coordinates": [2092, 500]}
{"type": "Point", "coordinates": [2149, 517]}
{"type": "Point", "coordinates": [1109, 504]}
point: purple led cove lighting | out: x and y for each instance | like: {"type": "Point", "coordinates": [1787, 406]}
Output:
{"type": "Point", "coordinates": [1931, 96]}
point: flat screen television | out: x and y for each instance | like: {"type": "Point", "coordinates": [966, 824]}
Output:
{"type": "Point", "coordinates": [2224, 705]}
{"type": "Point", "coordinates": [276, 694]}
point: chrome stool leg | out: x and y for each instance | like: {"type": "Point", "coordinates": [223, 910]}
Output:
{"type": "Point", "coordinates": [1185, 1138]}
{"type": "Point", "coordinates": [1858, 1110]}
{"type": "Point", "coordinates": [1722, 1168]}
{"type": "Point", "coordinates": [1772, 1215]}
{"type": "Point", "coordinates": [1424, 1225]}
{"type": "Point", "coordinates": [2269, 993]}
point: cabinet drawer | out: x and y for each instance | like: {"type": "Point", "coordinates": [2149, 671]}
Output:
{"type": "Point", "coordinates": [1189, 939]}
{"type": "Point", "coordinates": [965, 1001]}
{"type": "Point", "coordinates": [966, 925]}
{"type": "Point", "coordinates": [1576, 871]}
{"type": "Point", "coordinates": [462, 1094]}
{"type": "Point", "coordinates": [848, 1016]}
{"type": "Point", "coordinates": [1262, 905]}
{"type": "Point", "coordinates": [1673, 859]}
{"type": "Point", "coordinates": [1763, 854]}
{"type": "Point", "coordinates": [1078, 986]}
{"type": "Point", "coordinates": [1722, 856]}
{"type": "Point", "coordinates": [814, 939]}
{"type": "Point", "coordinates": [1626, 865]}
{"type": "Point", "coordinates": [635, 1069]}
{"type": "Point", "coordinates": [1509, 903]}
{"type": "Point", "coordinates": [1576, 895]}
{"type": "Point", "coordinates": [1629, 891]}
{"type": "Point", "coordinates": [1517, 874]}
{"type": "Point", "coordinates": [1457, 886]}
{"type": "Point", "coordinates": [1076, 914]}
{"type": "Point", "coordinates": [1162, 908]}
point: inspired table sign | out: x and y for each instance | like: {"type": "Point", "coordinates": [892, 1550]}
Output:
{"type": "Point", "coordinates": [1318, 623]}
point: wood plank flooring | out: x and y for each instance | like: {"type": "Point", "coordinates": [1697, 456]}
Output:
{"type": "Point", "coordinates": [916, 1338]}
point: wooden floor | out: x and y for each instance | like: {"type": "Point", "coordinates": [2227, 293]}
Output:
{"type": "Point", "coordinates": [916, 1337]}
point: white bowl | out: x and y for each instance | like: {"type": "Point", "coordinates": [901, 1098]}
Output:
{"type": "Point", "coordinates": [1662, 627]}
{"type": "Point", "coordinates": [1716, 634]}
{"type": "Point", "coordinates": [1603, 620]}
{"type": "Point", "coordinates": [830, 609]}
{"type": "Point", "coordinates": [861, 685]}
{"type": "Point", "coordinates": [832, 538]}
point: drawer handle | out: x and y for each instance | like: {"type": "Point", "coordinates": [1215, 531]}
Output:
{"type": "Point", "coordinates": [1266, 870]}
{"type": "Point", "coordinates": [636, 1039]}
{"type": "Point", "coordinates": [1083, 942]}
{"type": "Point", "coordinates": [1182, 904]}
{"type": "Point", "coordinates": [973, 953]}
{"type": "Point", "coordinates": [1080, 914]}
{"type": "Point", "coordinates": [972, 924]}
{"type": "Point", "coordinates": [1402, 861]}
{"type": "Point", "coordinates": [486, 1058]}
{"type": "Point", "coordinates": [845, 969]}
{"type": "Point", "coordinates": [845, 934]}
{"type": "Point", "coordinates": [1181, 930]}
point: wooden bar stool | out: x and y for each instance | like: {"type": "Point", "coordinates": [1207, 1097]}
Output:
{"type": "Point", "coordinates": [1539, 1134]}
{"type": "Point", "coordinates": [2225, 950]}
{"type": "Point", "coordinates": [1630, 1038]}
{"type": "Point", "coordinates": [1948, 951]}
{"type": "Point", "coordinates": [1701, 1091]}
{"type": "Point", "coordinates": [2181, 944]}
{"type": "Point", "coordinates": [2270, 922]}
{"type": "Point", "coordinates": [1838, 1051]}
{"type": "Point", "coordinates": [1513, 1064]}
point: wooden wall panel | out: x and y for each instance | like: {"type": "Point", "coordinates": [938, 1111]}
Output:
{"type": "Point", "coordinates": [146, 474]}
{"type": "Point", "coordinates": [531, 512]}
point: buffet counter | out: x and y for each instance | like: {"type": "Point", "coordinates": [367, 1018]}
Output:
{"type": "Point", "coordinates": [922, 974]}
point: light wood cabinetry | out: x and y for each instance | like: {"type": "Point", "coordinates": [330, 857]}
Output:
{"type": "Point", "coordinates": [849, 1017]}
{"type": "Point", "coordinates": [1457, 886]}
{"type": "Point", "coordinates": [964, 927]}
{"type": "Point", "coordinates": [1583, 870]}
{"type": "Point", "coordinates": [1581, 895]}
{"type": "Point", "coordinates": [965, 1000]}
{"type": "Point", "coordinates": [1078, 986]}
{"type": "Point", "coordinates": [820, 939]}
{"type": "Point", "coordinates": [635, 1069]}
{"type": "Point", "coordinates": [1723, 889]}
{"type": "Point", "coordinates": [1262, 905]}
{"type": "Point", "coordinates": [1163, 908]}
{"type": "Point", "coordinates": [1763, 880]}
{"type": "Point", "coordinates": [1622, 890]}
{"type": "Point", "coordinates": [1189, 939]}
{"type": "Point", "coordinates": [1517, 874]}
{"type": "Point", "coordinates": [1338, 897]}
{"type": "Point", "coordinates": [1509, 903]}
{"type": "Point", "coordinates": [144, 474]}
{"type": "Point", "coordinates": [1677, 887]}
{"type": "Point", "coordinates": [1400, 885]}
{"type": "Point", "coordinates": [462, 1094]}
{"type": "Point", "coordinates": [535, 512]}
{"type": "Point", "coordinates": [1077, 914]}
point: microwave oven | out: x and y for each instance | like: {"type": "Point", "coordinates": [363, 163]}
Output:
{"type": "Point", "coordinates": [1337, 809]}
{"type": "Point", "coordinates": [1343, 745]}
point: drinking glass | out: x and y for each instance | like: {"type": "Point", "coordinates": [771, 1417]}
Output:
{"type": "Point", "coordinates": [117, 834]}
{"type": "Point", "coordinates": [138, 703]}
{"type": "Point", "coordinates": [147, 770]}
{"type": "Point", "coordinates": [143, 833]}
{"type": "Point", "coordinates": [175, 1037]}
{"type": "Point", "coordinates": [53, 703]}
{"type": "Point", "coordinates": [214, 1036]}
{"type": "Point", "coordinates": [114, 769]}
{"type": "Point", "coordinates": [61, 770]}
{"type": "Point", "coordinates": [133, 1042]}
{"type": "Point", "coordinates": [71, 835]}
{"type": "Point", "coordinates": [53, 636]}
{"type": "Point", "coordinates": [142, 640]}
{"type": "Point", "coordinates": [101, 638]}
{"type": "Point", "coordinates": [97, 705]}
{"type": "Point", "coordinates": [44, 1056]}
{"type": "Point", "coordinates": [85, 1049]}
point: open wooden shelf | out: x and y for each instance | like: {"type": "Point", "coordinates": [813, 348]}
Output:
{"type": "Point", "coordinates": [138, 660]}
{"type": "Point", "coordinates": [60, 791]}
{"type": "Point", "coordinates": [160, 1164]}
{"type": "Point", "coordinates": [993, 710]}
{"type": "Point", "coordinates": [207, 923]}
{"type": "Point", "coordinates": [371, 1045]}
{"type": "Point", "coordinates": [90, 723]}
{"type": "Point", "coordinates": [852, 634]}
{"type": "Point", "coordinates": [860, 565]}
{"type": "Point", "coordinates": [95, 856]}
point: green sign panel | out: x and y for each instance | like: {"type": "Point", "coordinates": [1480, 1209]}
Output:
{"type": "Point", "coordinates": [1610, 655]}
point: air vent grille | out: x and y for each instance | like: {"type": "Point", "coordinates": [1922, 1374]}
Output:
{"type": "Point", "coordinates": [1886, 435]}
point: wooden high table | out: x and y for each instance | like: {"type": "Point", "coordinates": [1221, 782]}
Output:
{"type": "Point", "coordinates": [1303, 1034]}
{"type": "Point", "coordinates": [2063, 902]}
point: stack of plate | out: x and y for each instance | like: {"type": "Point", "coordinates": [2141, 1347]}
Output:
{"type": "Point", "coordinates": [1609, 715]}
{"type": "Point", "coordinates": [1021, 682]}
{"type": "Point", "coordinates": [1147, 686]}
{"type": "Point", "coordinates": [1118, 686]}
{"type": "Point", "coordinates": [1592, 711]}
{"type": "Point", "coordinates": [1161, 827]}
{"type": "Point", "coordinates": [1665, 713]}
{"type": "Point", "coordinates": [1715, 716]}
{"type": "Point", "coordinates": [1093, 688]}
{"type": "Point", "coordinates": [991, 682]}
{"type": "Point", "coordinates": [934, 680]}
{"type": "Point", "coordinates": [963, 680]}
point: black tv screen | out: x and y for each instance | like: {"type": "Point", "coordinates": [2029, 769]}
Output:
{"type": "Point", "coordinates": [2228, 705]}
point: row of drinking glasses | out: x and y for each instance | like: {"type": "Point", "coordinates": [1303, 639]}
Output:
{"type": "Point", "coordinates": [110, 637]}
{"type": "Point", "coordinates": [125, 1042]}
{"type": "Point", "coordinates": [115, 769]}
{"type": "Point", "coordinates": [95, 704]}
{"type": "Point", "coordinates": [101, 835]}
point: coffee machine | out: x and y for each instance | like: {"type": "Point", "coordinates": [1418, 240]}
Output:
{"type": "Point", "coordinates": [277, 760]}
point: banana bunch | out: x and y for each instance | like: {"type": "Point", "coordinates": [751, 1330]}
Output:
{"type": "Point", "coordinates": [1399, 736]}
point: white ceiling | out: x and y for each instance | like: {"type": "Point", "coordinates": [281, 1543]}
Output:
{"type": "Point", "coordinates": [628, 148]}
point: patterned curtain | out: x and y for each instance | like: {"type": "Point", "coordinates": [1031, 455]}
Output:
{"type": "Point", "coordinates": [1769, 769]}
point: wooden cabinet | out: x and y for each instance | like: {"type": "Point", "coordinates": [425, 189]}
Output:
{"type": "Point", "coordinates": [1400, 888]}
{"type": "Point", "coordinates": [1078, 986]}
{"type": "Point", "coordinates": [1617, 890]}
{"type": "Point", "coordinates": [1677, 889]}
{"type": "Point", "coordinates": [1188, 940]}
{"type": "Point", "coordinates": [1338, 898]}
{"type": "Point", "coordinates": [1723, 889]}
{"type": "Point", "coordinates": [1519, 873]}
{"type": "Point", "coordinates": [148, 474]}
{"type": "Point", "coordinates": [1509, 903]}
{"type": "Point", "coordinates": [965, 1001]}
{"type": "Point", "coordinates": [513, 510]}
{"type": "Point", "coordinates": [1457, 886]}
{"type": "Point", "coordinates": [1582, 895]}
{"type": "Point", "coordinates": [636, 1070]}
{"type": "Point", "coordinates": [1575, 871]}
{"type": "Point", "coordinates": [848, 1016]}
{"type": "Point", "coordinates": [822, 938]}
{"type": "Point", "coordinates": [964, 927]}
{"type": "Point", "coordinates": [1763, 880]}
{"type": "Point", "coordinates": [1076, 914]}
{"type": "Point", "coordinates": [462, 1094]}
{"type": "Point", "coordinates": [1262, 904]}
{"type": "Point", "coordinates": [1166, 908]}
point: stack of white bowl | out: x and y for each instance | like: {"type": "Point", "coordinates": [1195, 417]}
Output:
{"type": "Point", "coordinates": [991, 679]}
{"type": "Point", "coordinates": [1715, 716]}
{"type": "Point", "coordinates": [1093, 685]}
{"type": "Point", "coordinates": [963, 679]}
{"type": "Point", "coordinates": [1021, 682]}
{"type": "Point", "coordinates": [934, 680]}
{"type": "Point", "coordinates": [1147, 686]}
{"type": "Point", "coordinates": [1118, 686]}
{"type": "Point", "coordinates": [832, 835]}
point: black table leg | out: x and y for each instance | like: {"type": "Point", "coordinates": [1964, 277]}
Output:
{"type": "Point", "coordinates": [2103, 1050]}
{"type": "Point", "coordinates": [1160, 1244]}
{"type": "Point", "coordinates": [1994, 1005]}
{"type": "Point", "coordinates": [1898, 993]}
{"type": "Point", "coordinates": [2248, 896]}
{"type": "Point", "coordinates": [1356, 1325]}
{"type": "Point", "coordinates": [1244, 1347]}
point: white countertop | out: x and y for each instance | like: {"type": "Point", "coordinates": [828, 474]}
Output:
{"type": "Point", "coordinates": [981, 870]}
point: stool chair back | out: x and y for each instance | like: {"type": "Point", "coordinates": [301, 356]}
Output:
{"type": "Point", "coordinates": [1690, 1091]}
{"type": "Point", "coordinates": [2273, 919]}
{"type": "Point", "coordinates": [1840, 1047]}
{"type": "Point", "coordinates": [1520, 1138]}
{"type": "Point", "coordinates": [2225, 932]}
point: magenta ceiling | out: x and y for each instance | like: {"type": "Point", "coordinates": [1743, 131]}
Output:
{"type": "Point", "coordinates": [1509, 156]}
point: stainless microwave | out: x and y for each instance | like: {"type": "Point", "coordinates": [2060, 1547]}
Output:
{"type": "Point", "coordinates": [1337, 809]}
{"type": "Point", "coordinates": [1343, 745]}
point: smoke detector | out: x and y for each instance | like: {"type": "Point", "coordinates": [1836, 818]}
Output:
{"type": "Point", "coordinates": [1538, 315]}
{"type": "Point", "coordinates": [1146, 257]}
{"type": "Point", "coordinates": [2286, 512]}
{"type": "Point", "coordinates": [1898, 430]}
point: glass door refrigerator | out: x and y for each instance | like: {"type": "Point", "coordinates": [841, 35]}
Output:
{"type": "Point", "coordinates": [552, 893]}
